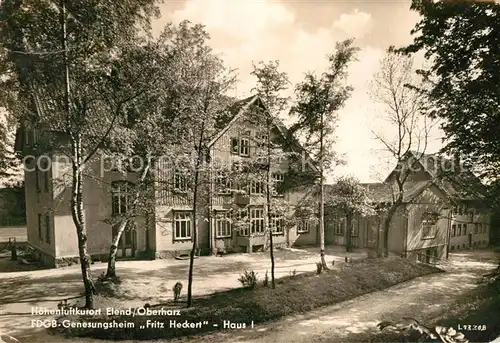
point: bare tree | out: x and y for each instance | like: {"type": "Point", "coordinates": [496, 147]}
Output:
{"type": "Point", "coordinates": [395, 88]}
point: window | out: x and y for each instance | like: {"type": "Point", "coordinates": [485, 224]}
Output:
{"type": "Point", "coordinates": [257, 187]}
{"type": "Point", "coordinates": [235, 146]}
{"type": "Point", "coordinates": [27, 137]}
{"type": "Point", "coordinates": [180, 183]}
{"type": "Point", "coordinates": [277, 224]}
{"type": "Point", "coordinates": [477, 228]}
{"type": "Point", "coordinates": [126, 237]}
{"type": "Point", "coordinates": [464, 229]}
{"type": "Point", "coordinates": [256, 220]}
{"type": "Point", "coordinates": [277, 179]}
{"type": "Point", "coordinates": [223, 226]}
{"type": "Point", "coordinates": [37, 175]}
{"type": "Point", "coordinates": [34, 132]}
{"type": "Point", "coordinates": [240, 146]}
{"type": "Point", "coordinates": [40, 237]}
{"type": "Point", "coordinates": [45, 168]}
{"type": "Point", "coordinates": [182, 225]}
{"type": "Point", "coordinates": [242, 216]}
{"type": "Point", "coordinates": [244, 147]}
{"type": "Point", "coordinates": [47, 229]}
{"type": "Point", "coordinates": [453, 230]}
{"type": "Point", "coordinates": [223, 184]}
{"type": "Point", "coordinates": [429, 220]}
{"type": "Point", "coordinates": [460, 210]}
{"type": "Point", "coordinates": [120, 197]}
{"type": "Point", "coordinates": [420, 256]}
{"type": "Point", "coordinates": [354, 228]}
{"type": "Point", "coordinates": [304, 225]}
{"type": "Point", "coordinates": [452, 247]}
{"type": "Point", "coordinates": [339, 227]}
{"type": "Point", "coordinates": [459, 229]}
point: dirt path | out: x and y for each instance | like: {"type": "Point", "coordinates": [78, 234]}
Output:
{"type": "Point", "coordinates": [416, 298]}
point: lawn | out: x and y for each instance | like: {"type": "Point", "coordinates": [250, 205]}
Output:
{"type": "Point", "coordinates": [293, 294]}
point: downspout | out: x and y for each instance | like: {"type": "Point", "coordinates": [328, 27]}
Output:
{"type": "Point", "coordinates": [210, 207]}
{"type": "Point", "coordinates": [448, 235]}
{"type": "Point", "coordinates": [406, 233]}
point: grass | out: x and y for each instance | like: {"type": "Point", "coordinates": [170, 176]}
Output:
{"type": "Point", "coordinates": [294, 294]}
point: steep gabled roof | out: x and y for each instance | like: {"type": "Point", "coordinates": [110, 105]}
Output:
{"type": "Point", "coordinates": [383, 193]}
{"type": "Point", "coordinates": [451, 176]}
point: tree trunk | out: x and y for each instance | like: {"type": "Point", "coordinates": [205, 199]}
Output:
{"type": "Point", "coordinates": [348, 233]}
{"type": "Point", "coordinates": [268, 200]}
{"type": "Point", "coordinates": [321, 201]}
{"type": "Point", "coordinates": [377, 238]}
{"type": "Point", "coordinates": [387, 225]}
{"type": "Point", "coordinates": [77, 214]}
{"type": "Point", "coordinates": [113, 250]}
{"type": "Point", "coordinates": [77, 211]}
{"type": "Point", "coordinates": [199, 157]}
{"type": "Point", "coordinates": [195, 240]}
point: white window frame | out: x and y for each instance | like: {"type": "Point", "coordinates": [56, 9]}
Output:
{"type": "Point", "coordinates": [340, 226]}
{"type": "Point", "coordinates": [120, 192]}
{"type": "Point", "coordinates": [182, 218]}
{"type": "Point", "coordinates": [429, 225]}
{"type": "Point", "coordinates": [354, 228]}
{"type": "Point", "coordinates": [256, 187]}
{"type": "Point", "coordinates": [223, 225]}
{"type": "Point", "coordinates": [244, 147]}
{"type": "Point", "coordinates": [256, 220]}
{"type": "Point", "coordinates": [277, 224]}
{"type": "Point", "coordinates": [277, 178]}
{"type": "Point", "coordinates": [180, 181]}
{"type": "Point", "coordinates": [245, 230]}
{"type": "Point", "coordinates": [304, 225]}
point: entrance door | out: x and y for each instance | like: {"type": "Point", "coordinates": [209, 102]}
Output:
{"type": "Point", "coordinates": [470, 240]}
{"type": "Point", "coordinates": [128, 241]}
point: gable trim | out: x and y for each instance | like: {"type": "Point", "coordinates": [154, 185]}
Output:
{"type": "Point", "coordinates": [235, 118]}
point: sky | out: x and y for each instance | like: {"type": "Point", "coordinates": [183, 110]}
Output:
{"type": "Point", "coordinates": [300, 34]}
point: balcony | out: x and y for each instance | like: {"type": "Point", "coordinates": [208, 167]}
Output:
{"type": "Point", "coordinates": [241, 199]}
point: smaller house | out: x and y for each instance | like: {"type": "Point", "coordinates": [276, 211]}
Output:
{"type": "Point", "coordinates": [438, 215]}
{"type": "Point", "coordinates": [419, 228]}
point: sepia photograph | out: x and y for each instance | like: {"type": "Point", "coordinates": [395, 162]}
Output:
{"type": "Point", "coordinates": [243, 171]}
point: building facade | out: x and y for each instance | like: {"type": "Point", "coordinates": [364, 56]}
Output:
{"type": "Point", "coordinates": [166, 227]}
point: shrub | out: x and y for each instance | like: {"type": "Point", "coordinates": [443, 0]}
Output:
{"type": "Point", "coordinates": [319, 267]}
{"type": "Point", "coordinates": [266, 280]}
{"type": "Point", "coordinates": [293, 273]}
{"type": "Point", "coordinates": [248, 279]}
